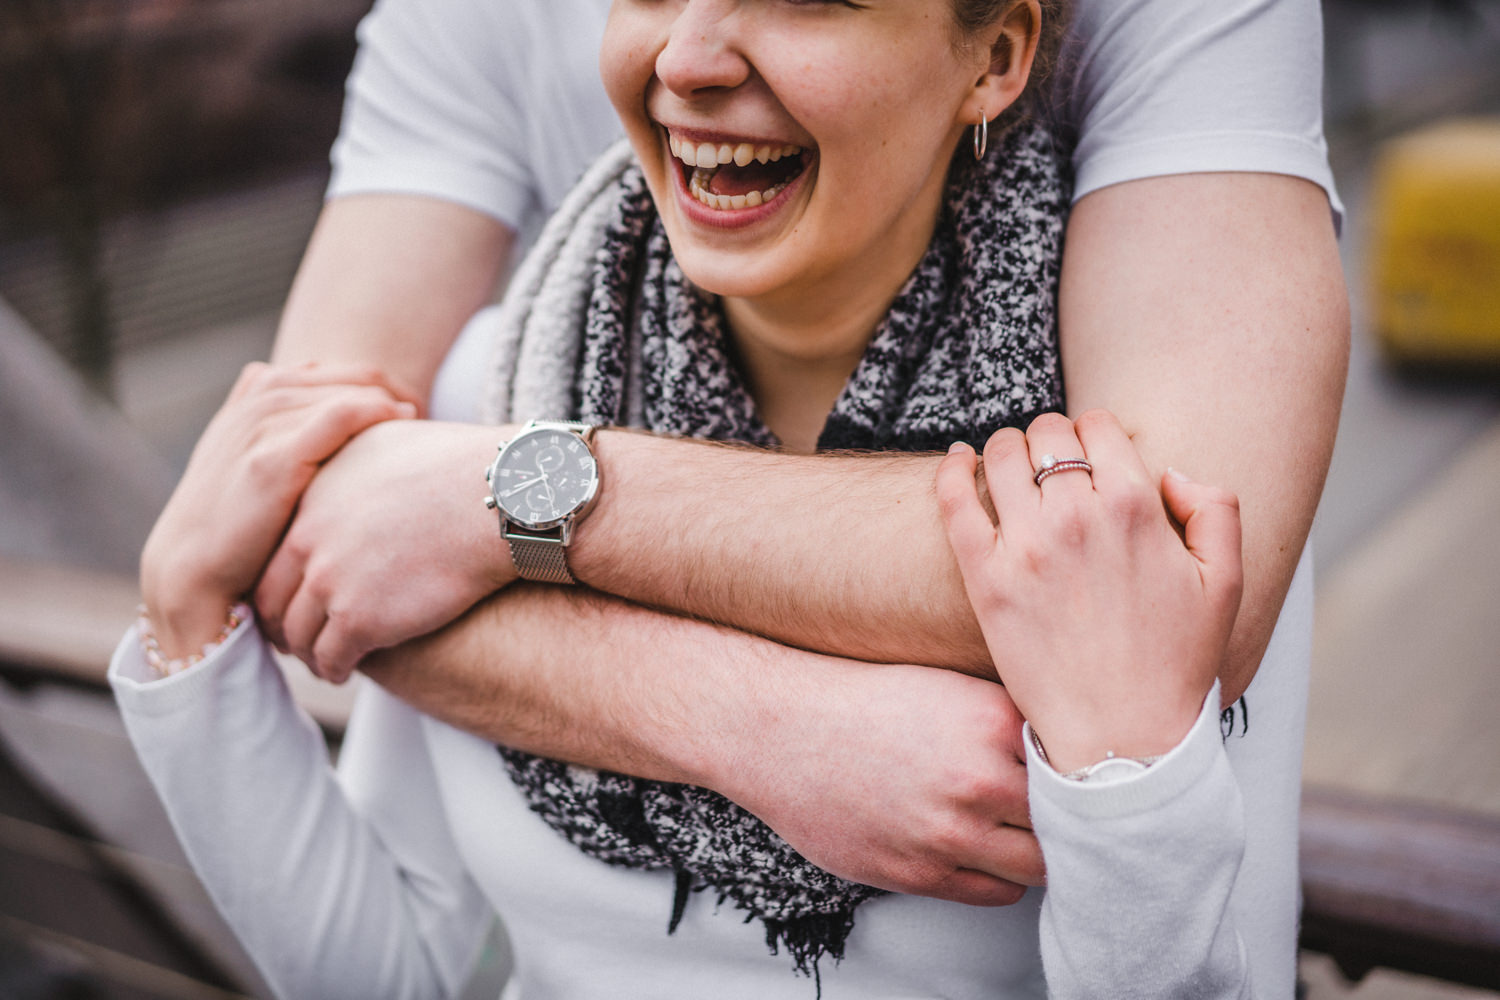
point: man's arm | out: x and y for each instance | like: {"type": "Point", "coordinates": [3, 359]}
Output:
{"type": "Point", "coordinates": [388, 280]}
{"type": "Point", "coordinates": [1207, 312]}
{"type": "Point", "coordinates": [901, 777]}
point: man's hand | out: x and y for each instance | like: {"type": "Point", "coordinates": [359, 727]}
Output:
{"type": "Point", "coordinates": [906, 778]}
{"type": "Point", "coordinates": [391, 541]}
{"type": "Point", "coordinates": [241, 485]}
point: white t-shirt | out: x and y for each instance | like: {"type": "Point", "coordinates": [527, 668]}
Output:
{"type": "Point", "coordinates": [498, 105]}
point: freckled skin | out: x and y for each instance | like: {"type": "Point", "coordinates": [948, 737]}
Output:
{"type": "Point", "coordinates": [880, 96]}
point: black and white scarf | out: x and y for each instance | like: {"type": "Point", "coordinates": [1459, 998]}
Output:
{"type": "Point", "coordinates": [600, 325]}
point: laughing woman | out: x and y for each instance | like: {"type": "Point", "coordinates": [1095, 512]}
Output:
{"type": "Point", "coordinates": [818, 238]}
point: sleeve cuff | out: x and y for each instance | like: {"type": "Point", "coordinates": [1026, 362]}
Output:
{"type": "Point", "coordinates": [135, 682]}
{"type": "Point", "coordinates": [1177, 771]}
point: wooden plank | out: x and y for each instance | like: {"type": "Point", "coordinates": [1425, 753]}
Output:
{"type": "Point", "coordinates": [1406, 655]}
{"type": "Point", "coordinates": [62, 623]}
{"type": "Point", "coordinates": [1401, 885]}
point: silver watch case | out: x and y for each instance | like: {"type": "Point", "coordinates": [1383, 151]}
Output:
{"type": "Point", "coordinates": [515, 524]}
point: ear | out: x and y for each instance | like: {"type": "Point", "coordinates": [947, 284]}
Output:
{"type": "Point", "coordinates": [1012, 47]}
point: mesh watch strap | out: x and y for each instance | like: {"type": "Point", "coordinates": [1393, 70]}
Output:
{"type": "Point", "coordinates": [540, 559]}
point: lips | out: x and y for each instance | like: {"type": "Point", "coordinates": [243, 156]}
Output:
{"type": "Point", "coordinates": [733, 176]}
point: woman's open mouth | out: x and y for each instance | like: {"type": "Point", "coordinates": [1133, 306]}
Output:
{"type": "Point", "coordinates": [733, 176]}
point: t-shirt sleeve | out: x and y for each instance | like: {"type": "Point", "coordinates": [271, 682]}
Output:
{"type": "Point", "coordinates": [459, 100]}
{"type": "Point", "coordinates": [1156, 87]}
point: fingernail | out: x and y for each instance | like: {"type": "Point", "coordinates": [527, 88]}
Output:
{"type": "Point", "coordinates": [1175, 474]}
{"type": "Point", "coordinates": [956, 447]}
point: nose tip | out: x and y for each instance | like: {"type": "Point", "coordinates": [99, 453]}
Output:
{"type": "Point", "coordinates": [700, 53]}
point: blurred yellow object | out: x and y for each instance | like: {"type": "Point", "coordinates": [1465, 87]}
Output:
{"type": "Point", "coordinates": [1435, 220]}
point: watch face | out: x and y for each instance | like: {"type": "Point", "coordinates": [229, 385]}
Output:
{"type": "Point", "coordinates": [542, 476]}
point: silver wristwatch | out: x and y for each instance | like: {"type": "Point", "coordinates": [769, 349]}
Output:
{"type": "Point", "coordinates": [542, 483]}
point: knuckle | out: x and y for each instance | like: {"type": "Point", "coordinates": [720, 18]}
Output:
{"type": "Point", "coordinates": [1070, 527]}
{"type": "Point", "coordinates": [1049, 422]}
{"type": "Point", "coordinates": [1007, 893]}
{"type": "Point", "coordinates": [296, 545]}
{"type": "Point", "coordinates": [989, 592]}
{"type": "Point", "coordinates": [264, 464]}
{"type": "Point", "coordinates": [1133, 507]}
{"type": "Point", "coordinates": [1004, 441]}
{"type": "Point", "coordinates": [950, 493]}
{"type": "Point", "coordinates": [252, 374]}
{"type": "Point", "coordinates": [1096, 419]}
{"type": "Point", "coordinates": [1228, 498]}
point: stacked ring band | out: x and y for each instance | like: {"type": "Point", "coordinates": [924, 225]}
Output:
{"type": "Point", "coordinates": [1051, 465]}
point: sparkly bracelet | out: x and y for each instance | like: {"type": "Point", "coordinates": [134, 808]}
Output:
{"type": "Point", "coordinates": [164, 667]}
{"type": "Point", "coordinates": [1110, 761]}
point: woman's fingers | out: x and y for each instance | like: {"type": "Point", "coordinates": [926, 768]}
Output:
{"type": "Point", "coordinates": [1210, 517]}
{"type": "Point", "coordinates": [247, 474]}
{"type": "Point", "coordinates": [260, 376]}
{"type": "Point", "coordinates": [971, 533]}
{"type": "Point", "coordinates": [1118, 466]}
{"type": "Point", "coordinates": [339, 416]}
{"type": "Point", "coordinates": [1052, 434]}
{"type": "Point", "coordinates": [1007, 475]}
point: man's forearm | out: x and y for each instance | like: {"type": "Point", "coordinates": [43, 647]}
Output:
{"type": "Point", "coordinates": [840, 554]}
{"type": "Point", "coordinates": [1207, 312]}
{"type": "Point", "coordinates": [585, 677]}
{"type": "Point", "coordinates": [902, 777]}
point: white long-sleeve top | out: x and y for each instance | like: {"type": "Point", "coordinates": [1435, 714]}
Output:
{"type": "Point", "coordinates": [378, 879]}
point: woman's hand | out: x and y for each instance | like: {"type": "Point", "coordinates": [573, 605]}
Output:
{"type": "Point", "coordinates": [242, 483]}
{"type": "Point", "coordinates": [1107, 627]}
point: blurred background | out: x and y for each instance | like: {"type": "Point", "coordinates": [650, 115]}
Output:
{"type": "Point", "coordinates": [161, 165]}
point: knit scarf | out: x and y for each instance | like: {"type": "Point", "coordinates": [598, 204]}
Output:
{"type": "Point", "coordinates": [600, 325]}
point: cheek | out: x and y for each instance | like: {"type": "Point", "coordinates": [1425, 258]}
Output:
{"type": "Point", "coordinates": [878, 96]}
{"type": "Point", "coordinates": [627, 61]}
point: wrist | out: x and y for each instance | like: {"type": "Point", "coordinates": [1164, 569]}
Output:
{"type": "Point", "coordinates": [185, 610]}
{"type": "Point", "coordinates": [773, 704]}
{"type": "Point", "coordinates": [619, 453]}
{"type": "Point", "coordinates": [181, 649]}
{"type": "Point", "coordinates": [1076, 739]}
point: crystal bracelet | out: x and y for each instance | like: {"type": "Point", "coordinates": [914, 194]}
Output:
{"type": "Point", "coordinates": [164, 667]}
{"type": "Point", "coordinates": [1089, 771]}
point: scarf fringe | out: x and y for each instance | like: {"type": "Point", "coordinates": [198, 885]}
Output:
{"type": "Point", "coordinates": [806, 939]}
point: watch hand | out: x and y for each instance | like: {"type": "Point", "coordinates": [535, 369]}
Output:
{"type": "Point", "coordinates": [526, 485]}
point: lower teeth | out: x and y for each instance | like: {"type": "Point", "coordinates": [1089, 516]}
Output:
{"type": "Point", "coordinates": [698, 185]}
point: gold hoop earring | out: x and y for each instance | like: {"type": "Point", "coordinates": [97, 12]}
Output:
{"type": "Point", "coordinates": [981, 136]}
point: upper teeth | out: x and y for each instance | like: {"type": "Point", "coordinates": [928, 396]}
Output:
{"type": "Point", "coordinates": [708, 154]}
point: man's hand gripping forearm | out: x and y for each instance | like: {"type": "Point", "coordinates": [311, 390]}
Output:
{"type": "Point", "coordinates": [902, 777]}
